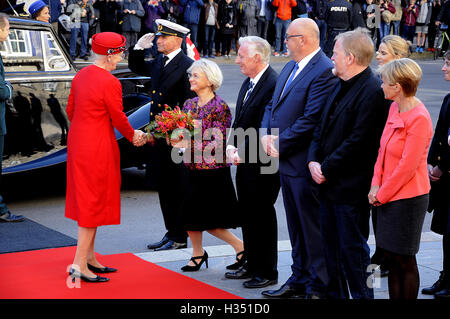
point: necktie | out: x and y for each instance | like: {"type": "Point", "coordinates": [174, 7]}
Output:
{"type": "Point", "coordinates": [249, 91]}
{"type": "Point", "coordinates": [165, 58]}
{"type": "Point", "coordinates": [291, 78]}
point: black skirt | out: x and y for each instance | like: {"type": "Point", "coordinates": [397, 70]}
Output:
{"type": "Point", "coordinates": [210, 201]}
{"type": "Point", "coordinates": [399, 225]}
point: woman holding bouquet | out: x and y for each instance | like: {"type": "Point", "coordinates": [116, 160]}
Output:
{"type": "Point", "coordinates": [210, 203]}
{"type": "Point", "coordinates": [93, 159]}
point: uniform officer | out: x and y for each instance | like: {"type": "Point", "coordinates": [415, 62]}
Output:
{"type": "Point", "coordinates": [169, 85]}
{"type": "Point", "coordinates": [339, 19]}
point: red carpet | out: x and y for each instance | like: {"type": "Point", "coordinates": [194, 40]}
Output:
{"type": "Point", "coordinates": [42, 274]}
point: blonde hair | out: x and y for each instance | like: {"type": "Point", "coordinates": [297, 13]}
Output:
{"type": "Point", "coordinates": [405, 72]}
{"type": "Point", "coordinates": [358, 43]}
{"type": "Point", "coordinates": [396, 46]}
{"type": "Point", "coordinates": [211, 70]}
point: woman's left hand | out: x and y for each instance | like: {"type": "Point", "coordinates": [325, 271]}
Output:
{"type": "Point", "coordinates": [373, 195]}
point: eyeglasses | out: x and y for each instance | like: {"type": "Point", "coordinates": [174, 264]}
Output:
{"type": "Point", "coordinates": [288, 36]}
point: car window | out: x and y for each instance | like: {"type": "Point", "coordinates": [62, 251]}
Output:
{"type": "Point", "coordinates": [32, 51]}
{"type": "Point", "coordinates": [54, 60]}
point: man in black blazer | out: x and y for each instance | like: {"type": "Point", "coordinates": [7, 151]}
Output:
{"type": "Point", "coordinates": [169, 85]}
{"type": "Point", "coordinates": [439, 174]}
{"type": "Point", "coordinates": [341, 160]}
{"type": "Point", "coordinates": [257, 192]}
{"type": "Point", "coordinates": [300, 93]}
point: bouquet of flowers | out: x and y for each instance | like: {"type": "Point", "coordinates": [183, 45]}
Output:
{"type": "Point", "coordinates": [168, 121]}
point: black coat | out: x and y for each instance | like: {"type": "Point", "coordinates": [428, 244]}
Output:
{"type": "Point", "coordinates": [347, 144]}
{"type": "Point", "coordinates": [108, 15]}
{"type": "Point", "coordinates": [439, 155]}
{"type": "Point", "coordinates": [227, 14]}
{"type": "Point", "coordinates": [169, 85]}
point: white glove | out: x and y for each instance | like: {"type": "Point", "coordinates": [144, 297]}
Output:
{"type": "Point", "coordinates": [145, 42]}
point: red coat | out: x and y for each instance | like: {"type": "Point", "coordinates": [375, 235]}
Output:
{"type": "Point", "coordinates": [93, 159]}
{"type": "Point", "coordinates": [401, 167]}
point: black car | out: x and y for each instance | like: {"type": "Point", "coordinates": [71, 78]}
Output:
{"type": "Point", "coordinates": [41, 71]}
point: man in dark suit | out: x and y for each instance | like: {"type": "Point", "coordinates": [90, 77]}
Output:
{"type": "Point", "coordinates": [341, 160]}
{"type": "Point", "coordinates": [5, 93]}
{"type": "Point", "coordinates": [257, 192]}
{"type": "Point", "coordinates": [439, 174]}
{"type": "Point", "coordinates": [169, 85]}
{"type": "Point", "coordinates": [301, 90]}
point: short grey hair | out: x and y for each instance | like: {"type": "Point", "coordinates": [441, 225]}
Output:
{"type": "Point", "coordinates": [211, 70]}
{"type": "Point", "coordinates": [257, 45]}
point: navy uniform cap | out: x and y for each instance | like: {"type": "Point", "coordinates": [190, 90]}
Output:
{"type": "Point", "coordinates": [170, 28]}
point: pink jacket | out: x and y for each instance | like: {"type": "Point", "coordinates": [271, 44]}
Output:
{"type": "Point", "coordinates": [401, 167]}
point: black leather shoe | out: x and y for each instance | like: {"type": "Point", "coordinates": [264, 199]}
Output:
{"type": "Point", "coordinates": [285, 291]}
{"type": "Point", "coordinates": [158, 244]}
{"type": "Point", "coordinates": [103, 270]}
{"type": "Point", "coordinates": [239, 274]}
{"type": "Point", "coordinates": [440, 284]}
{"type": "Point", "coordinates": [258, 282]}
{"type": "Point", "coordinates": [443, 294]}
{"type": "Point", "coordinates": [76, 274]}
{"type": "Point", "coordinates": [171, 245]}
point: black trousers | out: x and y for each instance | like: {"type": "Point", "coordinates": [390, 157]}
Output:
{"type": "Point", "coordinates": [171, 182]}
{"type": "Point", "coordinates": [257, 195]}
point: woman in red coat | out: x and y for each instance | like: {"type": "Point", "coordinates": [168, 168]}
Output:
{"type": "Point", "coordinates": [93, 160]}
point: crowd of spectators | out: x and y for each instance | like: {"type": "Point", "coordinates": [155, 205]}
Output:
{"type": "Point", "coordinates": [216, 24]}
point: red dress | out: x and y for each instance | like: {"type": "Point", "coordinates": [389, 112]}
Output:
{"type": "Point", "coordinates": [93, 159]}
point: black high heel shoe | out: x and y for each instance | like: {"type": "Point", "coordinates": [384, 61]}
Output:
{"type": "Point", "coordinates": [203, 259]}
{"type": "Point", "coordinates": [76, 274]}
{"type": "Point", "coordinates": [103, 270]}
{"type": "Point", "coordinates": [239, 261]}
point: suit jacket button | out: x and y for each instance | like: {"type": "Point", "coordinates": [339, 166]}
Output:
{"type": "Point", "coordinates": [439, 158]}
{"type": "Point", "coordinates": [160, 93]}
{"type": "Point", "coordinates": [154, 91]}
{"type": "Point", "coordinates": [151, 102]}
{"type": "Point", "coordinates": [159, 105]}
{"type": "Point", "coordinates": [151, 113]}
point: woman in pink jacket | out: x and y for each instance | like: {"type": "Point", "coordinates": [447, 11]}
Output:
{"type": "Point", "coordinates": [400, 184]}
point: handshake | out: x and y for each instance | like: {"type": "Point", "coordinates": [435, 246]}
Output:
{"type": "Point", "coordinates": [139, 138]}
